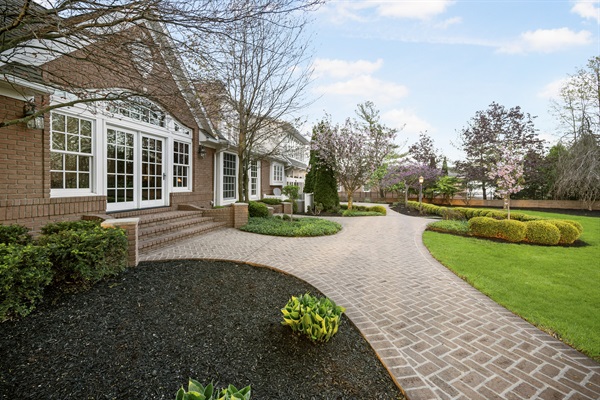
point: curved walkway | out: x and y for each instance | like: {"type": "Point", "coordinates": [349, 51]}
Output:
{"type": "Point", "coordinates": [439, 337]}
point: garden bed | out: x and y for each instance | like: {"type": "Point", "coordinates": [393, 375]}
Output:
{"type": "Point", "coordinates": [142, 334]}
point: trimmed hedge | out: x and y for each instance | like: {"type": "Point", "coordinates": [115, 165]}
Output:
{"type": "Point", "coordinates": [271, 201]}
{"type": "Point", "coordinates": [86, 254]}
{"type": "Point", "coordinates": [257, 209]}
{"type": "Point", "coordinates": [24, 273]}
{"type": "Point", "coordinates": [14, 234]}
{"type": "Point", "coordinates": [511, 230]}
{"type": "Point", "coordinates": [568, 232]}
{"type": "Point", "coordinates": [542, 232]}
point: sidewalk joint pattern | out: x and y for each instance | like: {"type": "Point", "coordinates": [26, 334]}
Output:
{"type": "Point", "coordinates": [439, 337]}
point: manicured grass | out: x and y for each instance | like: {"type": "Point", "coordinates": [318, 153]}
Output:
{"type": "Point", "coordinates": [555, 288]}
{"type": "Point", "coordinates": [298, 227]}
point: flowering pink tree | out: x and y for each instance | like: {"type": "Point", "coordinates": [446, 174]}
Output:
{"type": "Point", "coordinates": [406, 176]}
{"type": "Point", "coordinates": [355, 149]}
{"type": "Point", "coordinates": [508, 174]}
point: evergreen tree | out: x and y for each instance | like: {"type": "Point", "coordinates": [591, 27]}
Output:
{"type": "Point", "coordinates": [320, 179]}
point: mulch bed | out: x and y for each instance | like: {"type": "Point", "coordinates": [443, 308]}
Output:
{"type": "Point", "coordinates": [142, 334]}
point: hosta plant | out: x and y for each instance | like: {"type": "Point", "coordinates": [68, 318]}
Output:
{"type": "Point", "coordinates": [317, 318]}
{"type": "Point", "coordinates": [198, 392]}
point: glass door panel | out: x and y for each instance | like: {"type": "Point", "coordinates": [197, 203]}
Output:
{"type": "Point", "coordinates": [152, 172]}
{"type": "Point", "coordinates": [120, 163]}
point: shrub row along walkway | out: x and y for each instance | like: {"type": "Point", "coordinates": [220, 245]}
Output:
{"type": "Point", "coordinates": [439, 337]}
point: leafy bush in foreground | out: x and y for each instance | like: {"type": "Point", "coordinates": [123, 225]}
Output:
{"type": "Point", "coordinates": [14, 234]}
{"type": "Point", "coordinates": [198, 392]}
{"type": "Point", "coordinates": [24, 273]}
{"type": "Point", "coordinates": [257, 210]}
{"type": "Point", "coordinates": [271, 201]}
{"type": "Point", "coordinates": [353, 213]}
{"type": "Point", "coordinates": [317, 318]}
{"type": "Point", "coordinates": [84, 255]}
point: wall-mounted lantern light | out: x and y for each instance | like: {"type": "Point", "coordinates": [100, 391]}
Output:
{"type": "Point", "coordinates": [202, 151]}
{"type": "Point", "coordinates": [29, 109]}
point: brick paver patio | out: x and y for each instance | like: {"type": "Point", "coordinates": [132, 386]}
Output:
{"type": "Point", "coordinates": [439, 337]}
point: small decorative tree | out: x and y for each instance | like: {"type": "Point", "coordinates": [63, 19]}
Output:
{"type": "Point", "coordinates": [291, 192]}
{"type": "Point", "coordinates": [508, 173]}
{"type": "Point", "coordinates": [320, 179]}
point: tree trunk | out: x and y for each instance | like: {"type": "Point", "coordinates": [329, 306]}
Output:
{"type": "Point", "coordinates": [508, 206]}
{"type": "Point", "coordinates": [484, 191]}
{"type": "Point", "coordinates": [349, 195]}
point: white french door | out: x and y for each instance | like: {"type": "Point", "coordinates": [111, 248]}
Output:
{"type": "Point", "coordinates": [134, 170]}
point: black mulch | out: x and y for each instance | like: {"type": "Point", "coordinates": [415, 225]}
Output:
{"type": "Point", "coordinates": [142, 334]}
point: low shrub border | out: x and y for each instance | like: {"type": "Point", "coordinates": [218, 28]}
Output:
{"type": "Point", "coordinates": [297, 227]}
{"type": "Point", "coordinates": [362, 211]}
{"type": "Point", "coordinates": [494, 224]}
{"type": "Point", "coordinates": [71, 256]}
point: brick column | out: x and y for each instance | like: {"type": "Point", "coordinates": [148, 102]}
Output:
{"type": "Point", "coordinates": [240, 214]}
{"type": "Point", "coordinates": [130, 225]}
{"type": "Point", "coordinates": [287, 207]}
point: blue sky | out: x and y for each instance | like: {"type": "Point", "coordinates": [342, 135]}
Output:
{"type": "Point", "coordinates": [431, 65]}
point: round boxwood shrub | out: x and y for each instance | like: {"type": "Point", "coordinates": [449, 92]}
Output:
{"type": "Point", "coordinates": [256, 209]}
{"type": "Point", "coordinates": [511, 230]}
{"type": "Point", "coordinates": [484, 227]}
{"type": "Point", "coordinates": [576, 224]}
{"type": "Point", "coordinates": [14, 234]}
{"type": "Point", "coordinates": [542, 232]}
{"type": "Point", "coordinates": [568, 232]}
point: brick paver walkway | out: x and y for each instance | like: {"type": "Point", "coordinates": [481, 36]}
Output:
{"type": "Point", "coordinates": [439, 337]}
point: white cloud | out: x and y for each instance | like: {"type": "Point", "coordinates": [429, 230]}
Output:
{"type": "Point", "coordinates": [409, 9]}
{"type": "Point", "coordinates": [587, 9]}
{"type": "Point", "coordinates": [414, 9]}
{"type": "Point", "coordinates": [398, 118]}
{"type": "Point", "coordinates": [547, 41]}
{"type": "Point", "coordinates": [552, 89]}
{"type": "Point", "coordinates": [365, 87]}
{"type": "Point", "coordinates": [345, 69]}
{"type": "Point", "coordinates": [449, 22]}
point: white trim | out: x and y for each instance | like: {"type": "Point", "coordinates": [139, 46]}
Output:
{"type": "Point", "coordinates": [272, 180]}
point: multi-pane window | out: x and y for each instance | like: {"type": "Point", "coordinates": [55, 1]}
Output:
{"type": "Point", "coordinates": [120, 159]}
{"type": "Point", "coordinates": [254, 178]}
{"type": "Point", "coordinates": [181, 164]}
{"type": "Point", "coordinates": [229, 174]}
{"type": "Point", "coordinates": [141, 109]}
{"type": "Point", "coordinates": [71, 152]}
{"type": "Point", "coordinates": [277, 173]}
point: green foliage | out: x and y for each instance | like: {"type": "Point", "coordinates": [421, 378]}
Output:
{"type": "Point", "coordinates": [86, 254]}
{"type": "Point", "coordinates": [291, 192]}
{"type": "Point", "coordinates": [57, 227]}
{"type": "Point", "coordinates": [576, 224]}
{"type": "Point", "coordinates": [198, 392]}
{"type": "Point", "coordinates": [300, 227]}
{"type": "Point", "coordinates": [317, 318]}
{"type": "Point", "coordinates": [568, 232]}
{"type": "Point", "coordinates": [449, 226]}
{"type": "Point", "coordinates": [378, 209]}
{"type": "Point", "coordinates": [511, 230]}
{"type": "Point", "coordinates": [354, 213]}
{"type": "Point", "coordinates": [14, 234]}
{"type": "Point", "coordinates": [484, 227]}
{"type": "Point", "coordinates": [271, 201]}
{"type": "Point", "coordinates": [257, 209]}
{"type": "Point", "coordinates": [24, 273]}
{"type": "Point", "coordinates": [321, 180]}
{"type": "Point", "coordinates": [542, 232]}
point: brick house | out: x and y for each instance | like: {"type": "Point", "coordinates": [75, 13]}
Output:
{"type": "Point", "coordinates": [146, 151]}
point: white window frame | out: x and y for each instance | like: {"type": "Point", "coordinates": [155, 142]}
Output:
{"type": "Point", "coordinates": [277, 177]}
{"type": "Point", "coordinates": [234, 176]}
{"type": "Point", "coordinates": [174, 164]}
{"type": "Point", "coordinates": [257, 195]}
{"type": "Point", "coordinates": [92, 156]}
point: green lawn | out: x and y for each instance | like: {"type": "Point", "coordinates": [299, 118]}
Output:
{"type": "Point", "coordinates": [555, 288]}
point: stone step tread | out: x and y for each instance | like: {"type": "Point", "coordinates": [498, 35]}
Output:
{"type": "Point", "coordinates": [169, 225]}
{"type": "Point", "coordinates": [170, 216]}
{"type": "Point", "coordinates": [152, 242]}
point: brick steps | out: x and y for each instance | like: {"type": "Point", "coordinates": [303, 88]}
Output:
{"type": "Point", "coordinates": [160, 229]}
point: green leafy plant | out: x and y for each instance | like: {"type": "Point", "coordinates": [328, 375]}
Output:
{"type": "Point", "coordinates": [353, 213]}
{"type": "Point", "coordinates": [271, 201]}
{"type": "Point", "coordinates": [449, 226]}
{"type": "Point", "coordinates": [297, 227]}
{"type": "Point", "coordinates": [511, 230]}
{"type": "Point", "coordinates": [317, 318]}
{"type": "Point", "coordinates": [14, 234]}
{"type": "Point", "coordinates": [196, 391]}
{"type": "Point", "coordinates": [84, 255]}
{"type": "Point", "coordinates": [57, 227]}
{"type": "Point", "coordinates": [24, 273]}
{"type": "Point", "coordinates": [292, 192]}
{"type": "Point", "coordinates": [257, 209]}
